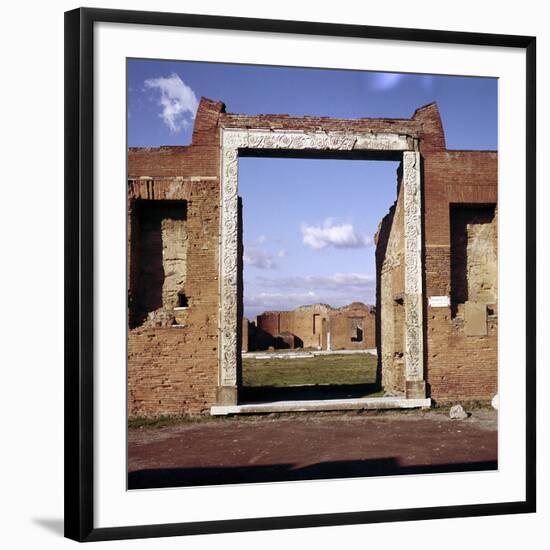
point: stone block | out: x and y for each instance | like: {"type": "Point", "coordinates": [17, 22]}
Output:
{"type": "Point", "coordinates": [475, 319]}
{"type": "Point", "coordinates": [227, 395]}
{"type": "Point", "coordinates": [457, 412]}
{"type": "Point", "coordinates": [415, 389]}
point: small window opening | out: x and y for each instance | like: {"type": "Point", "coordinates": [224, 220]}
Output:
{"type": "Point", "coordinates": [182, 300]}
{"type": "Point", "coordinates": [356, 330]}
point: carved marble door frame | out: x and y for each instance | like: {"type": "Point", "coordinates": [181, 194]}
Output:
{"type": "Point", "coordinates": [233, 140]}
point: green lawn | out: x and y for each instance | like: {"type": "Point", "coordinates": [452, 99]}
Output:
{"type": "Point", "coordinates": [337, 369]}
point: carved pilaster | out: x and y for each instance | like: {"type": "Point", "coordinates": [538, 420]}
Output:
{"type": "Point", "coordinates": [414, 364]}
{"type": "Point", "coordinates": [228, 267]}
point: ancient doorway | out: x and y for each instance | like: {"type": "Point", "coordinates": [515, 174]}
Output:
{"type": "Point", "coordinates": [237, 142]}
{"type": "Point", "coordinates": [309, 275]}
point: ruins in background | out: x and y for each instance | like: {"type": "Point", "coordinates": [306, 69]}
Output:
{"type": "Point", "coordinates": [317, 326]}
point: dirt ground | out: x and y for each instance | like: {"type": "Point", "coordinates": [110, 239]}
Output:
{"type": "Point", "coordinates": [310, 446]}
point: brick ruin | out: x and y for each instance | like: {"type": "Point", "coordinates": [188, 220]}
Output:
{"type": "Point", "coordinates": [436, 257]}
{"type": "Point", "coordinates": [317, 326]}
{"type": "Point", "coordinates": [460, 275]}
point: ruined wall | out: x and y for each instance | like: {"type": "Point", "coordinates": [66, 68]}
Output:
{"type": "Point", "coordinates": [172, 364]}
{"type": "Point", "coordinates": [460, 261]}
{"type": "Point", "coordinates": [173, 368]}
{"type": "Point", "coordinates": [159, 244]}
{"type": "Point", "coordinates": [390, 296]}
{"type": "Point", "coordinates": [173, 357]}
{"type": "Point", "coordinates": [352, 327]}
{"type": "Point", "coordinates": [313, 326]}
{"type": "Point", "coordinates": [305, 323]}
{"type": "Point", "coordinates": [425, 124]}
{"type": "Point", "coordinates": [473, 254]}
{"type": "Point", "coordinates": [460, 365]}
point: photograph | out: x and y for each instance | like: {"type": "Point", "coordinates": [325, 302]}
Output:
{"type": "Point", "coordinates": [294, 261]}
{"type": "Point", "coordinates": [312, 273]}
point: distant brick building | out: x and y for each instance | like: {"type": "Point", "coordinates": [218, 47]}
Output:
{"type": "Point", "coordinates": [436, 326]}
{"type": "Point", "coordinates": [318, 326]}
{"type": "Point", "coordinates": [352, 327]}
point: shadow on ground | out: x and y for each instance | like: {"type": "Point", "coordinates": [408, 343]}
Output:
{"type": "Point", "coordinates": [54, 525]}
{"type": "Point", "coordinates": [263, 394]}
{"type": "Point", "coordinates": [181, 477]}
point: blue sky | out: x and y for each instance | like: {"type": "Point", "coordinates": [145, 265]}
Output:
{"type": "Point", "coordinates": [308, 224]}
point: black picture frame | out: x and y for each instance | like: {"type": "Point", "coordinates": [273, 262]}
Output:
{"type": "Point", "coordinates": [79, 265]}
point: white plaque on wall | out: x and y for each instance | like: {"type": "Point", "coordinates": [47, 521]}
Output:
{"type": "Point", "coordinates": [439, 301]}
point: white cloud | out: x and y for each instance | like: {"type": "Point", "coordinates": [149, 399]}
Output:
{"type": "Point", "coordinates": [337, 236]}
{"type": "Point", "coordinates": [282, 253]}
{"type": "Point", "coordinates": [283, 293]}
{"type": "Point", "coordinates": [178, 101]}
{"type": "Point", "coordinates": [258, 258]}
{"type": "Point", "coordinates": [279, 300]}
{"type": "Point", "coordinates": [348, 282]}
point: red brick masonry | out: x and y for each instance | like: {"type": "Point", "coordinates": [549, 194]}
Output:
{"type": "Point", "coordinates": [173, 358]}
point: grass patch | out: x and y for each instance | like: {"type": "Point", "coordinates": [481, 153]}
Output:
{"type": "Point", "coordinates": [333, 369]}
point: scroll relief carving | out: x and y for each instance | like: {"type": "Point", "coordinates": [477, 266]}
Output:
{"type": "Point", "coordinates": [385, 142]}
{"type": "Point", "coordinates": [232, 141]}
{"type": "Point", "coordinates": [413, 242]}
{"type": "Point", "coordinates": [413, 267]}
{"type": "Point", "coordinates": [228, 279]}
{"type": "Point", "coordinates": [259, 139]}
{"type": "Point", "coordinates": [413, 335]}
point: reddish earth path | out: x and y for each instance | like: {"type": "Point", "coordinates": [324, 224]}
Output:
{"type": "Point", "coordinates": [310, 447]}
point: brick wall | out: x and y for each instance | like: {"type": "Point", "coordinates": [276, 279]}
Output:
{"type": "Point", "coordinates": [305, 323]}
{"type": "Point", "coordinates": [458, 366]}
{"type": "Point", "coordinates": [343, 324]}
{"type": "Point", "coordinates": [174, 369]}
{"type": "Point", "coordinates": [173, 363]}
{"type": "Point", "coordinates": [425, 124]}
{"type": "Point", "coordinates": [311, 325]}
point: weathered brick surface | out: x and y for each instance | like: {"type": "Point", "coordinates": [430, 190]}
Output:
{"type": "Point", "coordinates": [174, 369]}
{"type": "Point", "coordinates": [342, 322]}
{"type": "Point", "coordinates": [390, 295]}
{"type": "Point", "coordinates": [425, 125]}
{"type": "Point", "coordinates": [312, 324]}
{"type": "Point", "coordinates": [458, 367]}
{"type": "Point", "coordinates": [306, 323]}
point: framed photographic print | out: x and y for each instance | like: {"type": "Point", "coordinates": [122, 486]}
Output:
{"type": "Point", "coordinates": [300, 274]}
